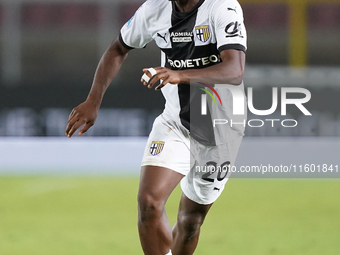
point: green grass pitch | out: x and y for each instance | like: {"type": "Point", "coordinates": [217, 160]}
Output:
{"type": "Point", "coordinates": [78, 215]}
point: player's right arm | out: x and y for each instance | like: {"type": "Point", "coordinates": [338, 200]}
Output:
{"type": "Point", "coordinates": [87, 112]}
{"type": "Point", "coordinates": [134, 34]}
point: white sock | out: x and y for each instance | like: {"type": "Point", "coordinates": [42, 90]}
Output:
{"type": "Point", "coordinates": [169, 253]}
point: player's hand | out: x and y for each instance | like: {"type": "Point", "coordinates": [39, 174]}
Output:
{"type": "Point", "coordinates": [164, 74]}
{"type": "Point", "coordinates": [85, 113]}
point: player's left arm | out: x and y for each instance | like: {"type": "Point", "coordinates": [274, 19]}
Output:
{"type": "Point", "coordinates": [230, 71]}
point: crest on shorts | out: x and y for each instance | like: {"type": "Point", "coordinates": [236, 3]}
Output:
{"type": "Point", "coordinates": [202, 33]}
{"type": "Point", "coordinates": [156, 148]}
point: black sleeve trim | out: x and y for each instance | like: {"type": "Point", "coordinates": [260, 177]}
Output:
{"type": "Point", "coordinates": [123, 43]}
{"type": "Point", "coordinates": [232, 47]}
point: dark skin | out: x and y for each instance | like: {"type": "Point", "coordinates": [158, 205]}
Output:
{"type": "Point", "coordinates": [185, 5]}
{"type": "Point", "coordinates": [87, 112]}
{"type": "Point", "coordinates": [230, 70]}
{"type": "Point", "coordinates": [157, 183]}
{"type": "Point", "coordinates": [232, 59]}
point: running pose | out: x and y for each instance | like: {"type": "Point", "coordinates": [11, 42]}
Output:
{"type": "Point", "coordinates": [199, 39]}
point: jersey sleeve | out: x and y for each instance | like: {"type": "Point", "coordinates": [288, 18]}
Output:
{"type": "Point", "coordinates": [227, 17]}
{"type": "Point", "coordinates": [134, 33]}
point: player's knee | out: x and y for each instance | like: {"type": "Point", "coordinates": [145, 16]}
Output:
{"type": "Point", "coordinates": [149, 207]}
{"type": "Point", "coordinates": [190, 225]}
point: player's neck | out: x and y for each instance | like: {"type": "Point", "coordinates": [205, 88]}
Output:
{"type": "Point", "coordinates": [186, 5]}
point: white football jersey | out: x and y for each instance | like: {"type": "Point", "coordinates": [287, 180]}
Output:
{"type": "Point", "coordinates": [191, 40]}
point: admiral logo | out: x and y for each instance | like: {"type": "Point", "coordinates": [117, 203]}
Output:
{"type": "Point", "coordinates": [178, 37]}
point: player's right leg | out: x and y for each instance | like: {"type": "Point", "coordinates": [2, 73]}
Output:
{"type": "Point", "coordinates": [156, 185]}
{"type": "Point", "coordinates": [166, 160]}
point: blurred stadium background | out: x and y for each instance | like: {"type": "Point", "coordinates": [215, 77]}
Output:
{"type": "Point", "coordinates": [49, 50]}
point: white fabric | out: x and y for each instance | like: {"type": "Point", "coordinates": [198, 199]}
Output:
{"type": "Point", "coordinates": [227, 20]}
{"type": "Point", "coordinates": [183, 155]}
{"type": "Point", "coordinates": [175, 154]}
{"type": "Point", "coordinates": [152, 21]}
{"type": "Point", "coordinates": [145, 78]}
{"type": "Point", "coordinates": [152, 71]}
{"type": "Point", "coordinates": [202, 186]}
{"type": "Point", "coordinates": [154, 17]}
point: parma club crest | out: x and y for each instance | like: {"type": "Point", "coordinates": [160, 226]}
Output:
{"type": "Point", "coordinates": [202, 33]}
{"type": "Point", "coordinates": [156, 148]}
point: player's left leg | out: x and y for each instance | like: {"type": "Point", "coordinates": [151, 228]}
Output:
{"type": "Point", "coordinates": [187, 228]}
{"type": "Point", "coordinates": [200, 190]}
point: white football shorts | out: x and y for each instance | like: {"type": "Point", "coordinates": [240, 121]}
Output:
{"type": "Point", "coordinates": [206, 169]}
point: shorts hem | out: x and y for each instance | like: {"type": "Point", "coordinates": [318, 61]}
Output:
{"type": "Point", "coordinates": [184, 173]}
{"type": "Point", "coordinates": [196, 200]}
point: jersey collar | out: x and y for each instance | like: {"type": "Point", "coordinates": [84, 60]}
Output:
{"type": "Point", "coordinates": [184, 14]}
